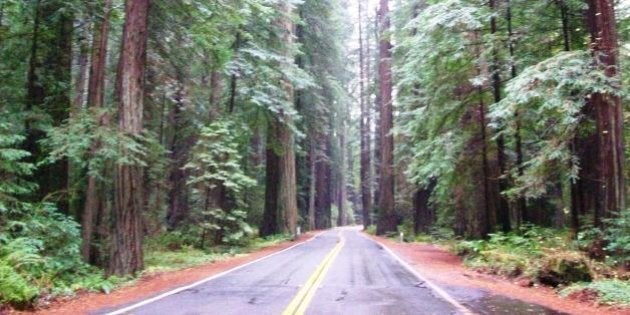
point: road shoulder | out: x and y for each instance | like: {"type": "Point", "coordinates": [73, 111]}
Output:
{"type": "Point", "coordinates": [154, 284]}
{"type": "Point", "coordinates": [447, 270]}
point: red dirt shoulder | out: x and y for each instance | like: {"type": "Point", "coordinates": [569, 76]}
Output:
{"type": "Point", "coordinates": [445, 268]}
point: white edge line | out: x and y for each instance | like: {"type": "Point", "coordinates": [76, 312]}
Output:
{"type": "Point", "coordinates": [461, 308]}
{"type": "Point", "coordinates": [202, 281]}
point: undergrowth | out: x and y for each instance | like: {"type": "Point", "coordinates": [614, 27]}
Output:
{"type": "Point", "coordinates": [171, 251]}
{"type": "Point", "coordinates": [549, 257]}
{"type": "Point", "coordinates": [610, 291]}
{"type": "Point", "coordinates": [29, 273]}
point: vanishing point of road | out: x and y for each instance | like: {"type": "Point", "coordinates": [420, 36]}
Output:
{"type": "Point", "coordinates": [337, 272]}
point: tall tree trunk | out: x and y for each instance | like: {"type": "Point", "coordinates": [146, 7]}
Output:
{"type": "Point", "coordinates": [607, 113]}
{"type": "Point", "coordinates": [179, 148]}
{"type": "Point", "coordinates": [126, 254]}
{"type": "Point", "coordinates": [521, 205]}
{"type": "Point", "coordinates": [312, 160]}
{"type": "Point", "coordinates": [576, 184]}
{"type": "Point", "coordinates": [323, 169]}
{"type": "Point", "coordinates": [269, 225]}
{"type": "Point", "coordinates": [286, 210]}
{"type": "Point", "coordinates": [82, 63]}
{"type": "Point", "coordinates": [366, 181]}
{"type": "Point", "coordinates": [484, 214]}
{"type": "Point", "coordinates": [503, 209]}
{"type": "Point", "coordinates": [48, 89]}
{"type": "Point", "coordinates": [424, 213]}
{"type": "Point", "coordinates": [234, 78]}
{"type": "Point", "coordinates": [286, 192]}
{"type": "Point", "coordinates": [342, 219]}
{"type": "Point", "coordinates": [387, 221]}
{"type": "Point", "coordinates": [95, 98]}
{"type": "Point", "coordinates": [376, 108]}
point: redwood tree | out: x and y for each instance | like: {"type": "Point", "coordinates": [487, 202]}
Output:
{"type": "Point", "coordinates": [366, 181]}
{"type": "Point", "coordinates": [607, 112]}
{"type": "Point", "coordinates": [96, 90]}
{"type": "Point", "coordinates": [386, 217]}
{"type": "Point", "coordinates": [283, 169]}
{"type": "Point", "coordinates": [126, 248]}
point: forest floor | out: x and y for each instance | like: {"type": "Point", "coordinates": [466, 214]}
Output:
{"type": "Point", "coordinates": [155, 283]}
{"type": "Point", "coordinates": [469, 287]}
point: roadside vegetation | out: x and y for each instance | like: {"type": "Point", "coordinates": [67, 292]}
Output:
{"type": "Point", "coordinates": [591, 268]}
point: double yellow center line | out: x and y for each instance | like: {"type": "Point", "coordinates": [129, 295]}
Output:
{"type": "Point", "coordinates": [303, 298]}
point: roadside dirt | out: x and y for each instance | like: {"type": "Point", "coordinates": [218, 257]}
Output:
{"type": "Point", "coordinates": [155, 284]}
{"type": "Point", "coordinates": [447, 271]}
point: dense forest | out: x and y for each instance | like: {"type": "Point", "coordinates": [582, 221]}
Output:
{"type": "Point", "coordinates": [140, 126]}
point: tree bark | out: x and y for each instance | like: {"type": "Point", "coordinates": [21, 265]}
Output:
{"type": "Point", "coordinates": [126, 253]}
{"type": "Point", "coordinates": [342, 219]}
{"type": "Point", "coordinates": [607, 113]}
{"type": "Point", "coordinates": [48, 89]}
{"type": "Point", "coordinates": [424, 213]}
{"type": "Point", "coordinates": [323, 200]}
{"type": "Point", "coordinates": [311, 188]}
{"type": "Point", "coordinates": [286, 190]}
{"type": "Point", "coordinates": [269, 225]}
{"type": "Point", "coordinates": [365, 167]}
{"type": "Point", "coordinates": [484, 214]}
{"type": "Point", "coordinates": [180, 149]}
{"type": "Point", "coordinates": [521, 205]}
{"type": "Point", "coordinates": [376, 154]}
{"type": "Point", "coordinates": [503, 209]}
{"type": "Point", "coordinates": [387, 221]}
{"type": "Point", "coordinates": [96, 88]}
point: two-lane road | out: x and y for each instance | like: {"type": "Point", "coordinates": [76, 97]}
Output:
{"type": "Point", "coordinates": [338, 272]}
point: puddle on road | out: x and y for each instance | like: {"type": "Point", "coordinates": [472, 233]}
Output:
{"type": "Point", "coordinates": [483, 302]}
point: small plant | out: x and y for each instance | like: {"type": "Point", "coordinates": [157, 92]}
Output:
{"type": "Point", "coordinates": [14, 288]}
{"type": "Point", "coordinates": [371, 229]}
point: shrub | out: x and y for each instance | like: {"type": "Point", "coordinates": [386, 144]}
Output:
{"type": "Point", "coordinates": [14, 288]}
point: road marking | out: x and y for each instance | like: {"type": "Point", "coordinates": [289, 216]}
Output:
{"type": "Point", "coordinates": [180, 289]}
{"type": "Point", "coordinates": [445, 296]}
{"type": "Point", "coordinates": [303, 298]}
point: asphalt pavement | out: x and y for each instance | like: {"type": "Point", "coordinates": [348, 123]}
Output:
{"type": "Point", "coordinates": [338, 272]}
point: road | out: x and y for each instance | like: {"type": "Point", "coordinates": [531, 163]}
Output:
{"type": "Point", "coordinates": [337, 272]}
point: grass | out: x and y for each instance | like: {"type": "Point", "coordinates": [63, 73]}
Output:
{"type": "Point", "coordinates": [164, 256]}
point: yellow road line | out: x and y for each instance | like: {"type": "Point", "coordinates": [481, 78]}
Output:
{"type": "Point", "coordinates": [303, 298]}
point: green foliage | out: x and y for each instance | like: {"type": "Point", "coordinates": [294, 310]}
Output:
{"type": "Point", "coordinates": [91, 145]}
{"type": "Point", "coordinates": [40, 246]}
{"type": "Point", "coordinates": [217, 158]}
{"type": "Point", "coordinates": [217, 164]}
{"type": "Point", "coordinates": [407, 228]}
{"type": "Point", "coordinates": [616, 237]}
{"type": "Point", "coordinates": [513, 253]}
{"type": "Point", "coordinates": [550, 96]}
{"type": "Point", "coordinates": [617, 233]}
{"type": "Point", "coordinates": [14, 288]}
{"type": "Point", "coordinates": [176, 250]}
{"type": "Point", "coordinates": [371, 230]}
{"type": "Point", "coordinates": [13, 168]}
{"type": "Point", "coordinates": [609, 292]}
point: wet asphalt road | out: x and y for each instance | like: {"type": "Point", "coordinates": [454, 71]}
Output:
{"type": "Point", "coordinates": [362, 279]}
